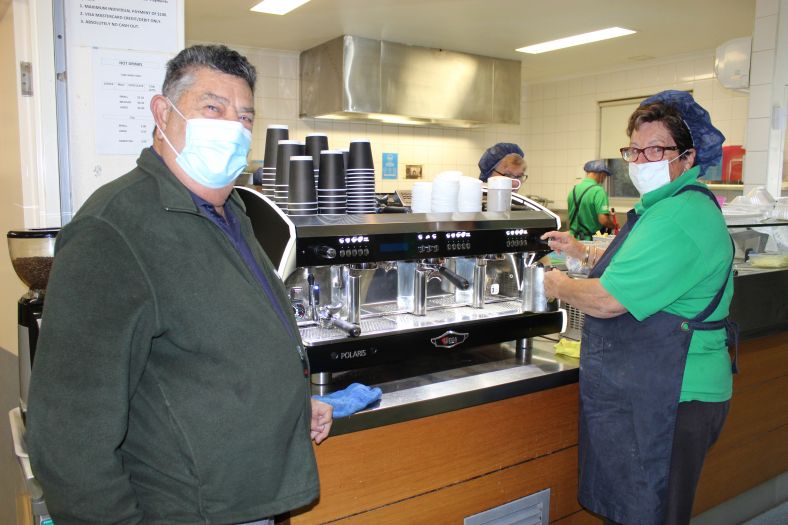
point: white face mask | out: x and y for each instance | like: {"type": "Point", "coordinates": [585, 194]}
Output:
{"type": "Point", "coordinates": [649, 176]}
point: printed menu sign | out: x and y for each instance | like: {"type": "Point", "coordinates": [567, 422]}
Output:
{"type": "Point", "coordinates": [147, 25]}
{"type": "Point", "coordinates": [124, 85]}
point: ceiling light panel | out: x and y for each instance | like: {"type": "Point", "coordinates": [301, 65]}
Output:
{"type": "Point", "coordinates": [277, 7]}
{"type": "Point", "coordinates": [576, 40]}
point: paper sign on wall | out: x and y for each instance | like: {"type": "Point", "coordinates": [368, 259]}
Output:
{"type": "Point", "coordinates": [147, 25]}
{"type": "Point", "coordinates": [390, 163]}
{"type": "Point", "coordinates": [124, 85]}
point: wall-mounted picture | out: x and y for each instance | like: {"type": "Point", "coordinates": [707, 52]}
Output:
{"type": "Point", "coordinates": [413, 171]}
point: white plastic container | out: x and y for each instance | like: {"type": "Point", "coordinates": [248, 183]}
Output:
{"type": "Point", "coordinates": [499, 194]}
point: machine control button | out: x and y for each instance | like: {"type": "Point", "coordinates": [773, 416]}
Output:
{"type": "Point", "coordinates": [325, 252]}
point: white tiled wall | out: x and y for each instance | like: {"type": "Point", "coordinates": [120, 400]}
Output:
{"type": "Point", "coordinates": [559, 120]}
{"type": "Point", "coordinates": [768, 77]}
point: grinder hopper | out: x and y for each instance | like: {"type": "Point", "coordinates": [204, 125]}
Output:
{"type": "Point", "coordinates": [32, 252]}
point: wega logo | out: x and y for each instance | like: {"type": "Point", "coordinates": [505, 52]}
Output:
{"type": "Point", "coordinates": [449, 339]}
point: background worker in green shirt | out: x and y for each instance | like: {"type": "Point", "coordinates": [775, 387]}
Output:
{"type": "Point", "coordinates": [655, 373]}
{"type": "Point", "coordinates": [588, 208]}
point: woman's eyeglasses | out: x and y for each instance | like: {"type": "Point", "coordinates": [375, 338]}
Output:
{"type": "Point", "coordinates": [651, 153]}
{"type": "Point", "coordinates": [522, 177]}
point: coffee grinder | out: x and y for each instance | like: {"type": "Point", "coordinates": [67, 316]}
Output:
{"type": "Point", "coordinates": [32, 252]}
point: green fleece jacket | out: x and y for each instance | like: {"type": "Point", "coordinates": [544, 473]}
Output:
{"type": "Point", "coordinates": [165, 389]}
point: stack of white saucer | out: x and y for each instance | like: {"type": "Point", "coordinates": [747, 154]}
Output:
{"type": "Point", "coordinates": [421, 197]}
{"type": "Point", "coordinates": [445, 189]}
{"type": "Point", "coordinates": [469, 198]}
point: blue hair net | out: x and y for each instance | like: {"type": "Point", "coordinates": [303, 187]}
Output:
{"type": "Point", "coordinates": [706, 139]}
{"type": "Point", "coordinates": [598, 166]}
{"type": "Point", "coordinates": [493, 155]}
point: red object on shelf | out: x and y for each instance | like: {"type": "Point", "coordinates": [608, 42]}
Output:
{"type": "Point", "coordinates": [732, 160]}
{"type": "Point", "coordinates": [615, 222]}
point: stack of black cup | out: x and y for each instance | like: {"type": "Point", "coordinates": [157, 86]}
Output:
{"type": "Point", "coordinates": [315, 143]}
{"type": "Point", "coordinates": [267, 177]}
{"type": "Point", "coordinates": [285, 150]}
{"type": "Point", "coordinates": [331, 189]}
{"type": "Point", "coordinates": [301, 195]}
{"type": "Point", "coordinates": [360, 178]}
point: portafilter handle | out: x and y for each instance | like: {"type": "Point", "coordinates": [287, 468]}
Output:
{"type": "Point", "coordinates": [456, 279]}
{"type": "Point", "coordinates": [353, 330]}
{"type": "Point", "coordinates": [327, 318]}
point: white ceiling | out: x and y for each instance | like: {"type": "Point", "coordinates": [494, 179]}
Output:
{"type": "Point", "coordinates": [488, 27]}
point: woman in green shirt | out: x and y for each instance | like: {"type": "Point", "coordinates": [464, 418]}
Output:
{"type": "Point", "coordinates": [655, 373]}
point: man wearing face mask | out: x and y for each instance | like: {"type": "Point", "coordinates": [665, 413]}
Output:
{"type": "Point", "coordinates": [170, 384]}
{"type": "Point", "coordinates": [503, 160]}
{"type": "Point", "coordinates": [655, 373]}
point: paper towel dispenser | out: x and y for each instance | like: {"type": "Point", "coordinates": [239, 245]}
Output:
{"type": "Point", "coordinates": [732, 63]}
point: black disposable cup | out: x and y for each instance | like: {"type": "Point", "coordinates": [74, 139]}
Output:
{"type": "Point", "coordinates": [346, 157]}
{"type": "Point", "coordinates": [329, 198]}
{"type": "Point", "coordinates": [285, 150]}
{"type": "Point", "coordinates": [273, 134]}
{"type": "Point", "coordinates": [331, 175]}
{"type": "Point", "coordinates": [332, 211]}
{"type": "Point", "coordinates": [315, 143]}
{"type": "Point", "coordinates": [302, 181]}
{"type": "Point", "coordinates": [360, 156]}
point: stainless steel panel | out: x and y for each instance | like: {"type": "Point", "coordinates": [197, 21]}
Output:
{"type": "Point", "coordinates": [360, 78]}
{"type": "Point", "coordinates": [435, 84]}
{"type": "Point", "coordinates": [437, 314]}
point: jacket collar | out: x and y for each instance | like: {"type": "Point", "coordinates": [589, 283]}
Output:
{"type": "Point", "coordinates": [173, 195]}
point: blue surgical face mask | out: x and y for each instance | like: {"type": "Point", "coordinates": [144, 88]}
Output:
{"type": "Point", "coordinates": [215, 150]}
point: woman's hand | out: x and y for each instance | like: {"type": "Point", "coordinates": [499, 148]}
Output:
{"type": "Point", "coordinates": [564, 242]}
{"type": "Point", "coordinates": [552, 282]}
{"type": "Point", "coordinates": [322, 417]}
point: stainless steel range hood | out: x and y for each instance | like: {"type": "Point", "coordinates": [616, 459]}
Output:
{"type": "Point", "coordinates": [358, 78]}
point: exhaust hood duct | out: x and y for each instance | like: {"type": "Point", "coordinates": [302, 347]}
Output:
{"type": "Point", "coordinates": [358, 78]}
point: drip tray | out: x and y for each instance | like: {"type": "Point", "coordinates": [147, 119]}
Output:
{"type": "Point", "coordinates": [392, 323]}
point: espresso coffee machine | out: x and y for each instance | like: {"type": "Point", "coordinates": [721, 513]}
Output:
{"type": "Point", "coordinates": [32, 252]}
{"type": "Point", "coordinates": [371, 289]}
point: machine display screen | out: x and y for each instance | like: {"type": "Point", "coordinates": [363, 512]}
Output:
{"type": "Point", "coordinates": [388, 247]}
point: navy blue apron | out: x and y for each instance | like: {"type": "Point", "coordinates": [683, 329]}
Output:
{"type": "Point", "coordinates": [630, 382]}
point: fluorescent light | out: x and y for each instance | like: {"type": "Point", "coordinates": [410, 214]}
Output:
{"type": "Point", "coordinates": [576, 40]}
{"type": "Point", "coordinates": [278, 7]}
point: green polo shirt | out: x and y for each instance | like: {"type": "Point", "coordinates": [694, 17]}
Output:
{"type": "Point", "coordinates": [675, 259]}
{"type": "Point", "coordinates": [592, 203]}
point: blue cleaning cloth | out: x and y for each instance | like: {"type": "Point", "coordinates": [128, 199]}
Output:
{"type": "Point", "coordinates": [597, 166]}
{"type": "Point", "coordinates": [493, 155]}
{"type": "Point", "coordinates": [705, 137]}
{"type": "Point", "coordinates": [352, 399]}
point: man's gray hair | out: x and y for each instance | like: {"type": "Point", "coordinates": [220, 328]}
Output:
{"type": "Point", "coordinates": [218, 57]}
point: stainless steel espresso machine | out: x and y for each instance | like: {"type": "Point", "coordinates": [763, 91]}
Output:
{"type": "Point", "coordinates": [380, 288]}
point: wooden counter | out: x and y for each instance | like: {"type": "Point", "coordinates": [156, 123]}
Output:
{"type": "Point", "coordinates": [442, 468]}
